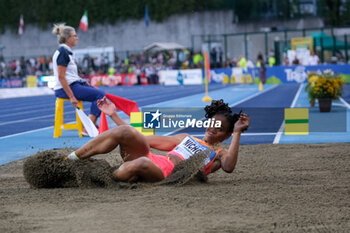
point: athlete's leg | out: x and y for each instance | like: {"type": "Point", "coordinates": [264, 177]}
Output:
{"type": "Point", "coordinates": [141, 168]}
{"type": "Point", "coordinates": [132, 143]}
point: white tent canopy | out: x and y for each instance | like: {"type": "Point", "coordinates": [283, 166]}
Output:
{"type": "Point", "coordinates": [159, 46]}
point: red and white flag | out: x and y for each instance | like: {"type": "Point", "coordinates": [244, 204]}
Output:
{"type": "Point", "coordinates": [21, 26]}
{"type": "Point", "coordinates": [84, 22]}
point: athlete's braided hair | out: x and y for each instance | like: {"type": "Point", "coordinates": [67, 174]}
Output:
{"type": "Point", "coordinates": [219, 107]}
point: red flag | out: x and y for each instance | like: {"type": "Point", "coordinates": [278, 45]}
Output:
{"type": "Point", "coordinates": [207, 66]}
{"type": "Point", "coordinates": [127, 106]}
{"type": "Point", "coordinates": [21, 25]}
{"type": "Point", "coordinates": [103, 123]}
{"type": "Point", "coordinates": [84, 22]}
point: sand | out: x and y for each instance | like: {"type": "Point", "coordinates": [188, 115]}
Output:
{"type": "Point", "coordinates": [274, 188]}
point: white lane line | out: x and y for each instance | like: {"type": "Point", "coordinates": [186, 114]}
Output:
{"type": "Point", "coordinates": [344, 102]}
{"type": "Point", "coordinates": [22, 112]}
{"type": "Point", "coordinates": [277, 139]}
{"type": "Point", "coordinates": [278, 136]}
{"type": "Point", "coordinates": [28, 107]}
{"type": "Point", "coordinates": [252, 96]}
{"type": "Point", "coordinates": [297, 96]}
{"type": "Point", "coordinates": [26, 132]}
{"type": "Point", "coordinates": [33, 118]}
{"type": "Point", "coordinates": [27, 119]}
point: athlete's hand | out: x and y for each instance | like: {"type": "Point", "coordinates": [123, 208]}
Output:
{"type": "Point", "coordinates": [242, 124]}
{"type": "Point", "coordinates": [106, 106]}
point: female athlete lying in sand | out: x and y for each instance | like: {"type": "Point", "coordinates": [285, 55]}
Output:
{"type": "Point", "coordinates": [141, 164]}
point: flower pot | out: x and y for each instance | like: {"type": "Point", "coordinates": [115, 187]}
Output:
{"type": "Point", "coordinates": [325, 104]}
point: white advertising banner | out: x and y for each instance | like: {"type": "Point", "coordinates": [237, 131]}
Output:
{"type": "Point", "coordinates": [180, 77]}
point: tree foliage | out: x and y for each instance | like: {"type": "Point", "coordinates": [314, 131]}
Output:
{"type": "Point", "coordinates": [336, 12]}
{"type": "Point", "coordinates": [44, 13]}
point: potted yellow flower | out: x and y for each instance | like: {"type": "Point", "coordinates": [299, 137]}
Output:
{"type": "Point", "coordinates": [326, 87]}
{"type": "Point", "coordinates": [312, 77]}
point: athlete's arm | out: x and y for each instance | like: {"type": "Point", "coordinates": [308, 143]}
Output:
{"type": "Point", "coordinates": [228, 158]}
{"type": "Point", "coordinates": [216, 165]}
{"type": "Point", "coordinates": [165, 143]}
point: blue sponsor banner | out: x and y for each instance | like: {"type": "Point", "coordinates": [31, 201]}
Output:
{"type": "Point", "coordinates": [218, 75]}
{"type": "Point", "coordinates": [279, 74]}
{"type": "Point", "coordinates": [298, 74]}
{"type": "Point", "coordinates": [11, 82]}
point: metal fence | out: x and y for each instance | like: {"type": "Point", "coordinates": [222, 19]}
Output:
{"type": "Point", "coordinates": [332, 47]}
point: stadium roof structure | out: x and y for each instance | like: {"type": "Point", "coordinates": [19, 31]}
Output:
{"type": "Point", "coordinates": [160, 46]}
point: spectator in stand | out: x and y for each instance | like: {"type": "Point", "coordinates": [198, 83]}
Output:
{"type": "Point", "coordinates": [22, 63]}
{"type": "Point", "coordinates": [111, 71]}
{"type": "Point", "coordinates": [137, 72]}
{"type": "Point", "coordinates": [50, 66]}
{"type": "Point", "coordinates": [68, 83]}
{"type": "Point", "coordinates": [154, 75]}
{"type": "Point", "coordinates": [172, 61]}
{"type": "Point", "coordinates": [286, 60]}
{"type": "Point", "coordinates": [197, 60]}
{"type": "Point", "coordinates": [190, 58]}
{"type": "Point", "coordinates": [250, 64]}
{"type": "Point", "coordinates": [272, 59]}
{"type": "Point", "coordinates": [13, 65]}
{"type": "Point", "coordinates": [296, 61]}
{"type": "Point", "coordinates": [181, 58]}
{"type": "Point", "coordinates": [147, 69]}
{"type": "Point", "coordinates": [186, 62]}
{"type": "Point", "coordinates": [18, 68]}
{"type": "Point", "coordinates": [213, 58]}
{"type": "Point", "coordinates": [160, 58]}
{"type": "Point", "coordinates": [242, 62]}
{"type": "Point", "coordinates": [219, 57]}
{"type": "Point", "coordinates": [158, 68]}
{"type": "Point", "coordinates": [313, 59]}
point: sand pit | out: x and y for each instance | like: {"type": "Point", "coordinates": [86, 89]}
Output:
{"type": "Point", "coordinates": [50, 169]}
{"type": "Point", "coordinates": [275, 188]}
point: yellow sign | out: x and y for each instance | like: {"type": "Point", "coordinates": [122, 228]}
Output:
{"type": "Point", "coordinates": [225, 79]}
{"type": "Point", "coordinates": [296, 121]}
{"type": "Point", "coordinates": [249, 78]}
{"type": "Point", "coordinates": [302, 42]}
{"type": "Point", "coordinates": [136, 120]}
{"type": "Point", "coordinates": [32, 81]}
